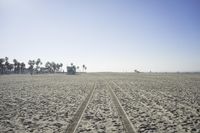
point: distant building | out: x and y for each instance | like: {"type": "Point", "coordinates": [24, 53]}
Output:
{"type": "Point", "coordinates": [71, 70]}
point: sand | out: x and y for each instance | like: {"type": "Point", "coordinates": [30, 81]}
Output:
{"type": "Point", "coordinates": [48, 103]}
{"type": "Point", "coordinates": [101, 115]}
{"type": "Point", "coordinates": [39, 103]}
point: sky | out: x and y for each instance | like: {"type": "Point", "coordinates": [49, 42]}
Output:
{"type": "Point", "coordinates": [105, 35]}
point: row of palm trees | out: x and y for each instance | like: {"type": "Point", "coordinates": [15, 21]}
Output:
{"type": "Point", "coordinates": [53, 67]}
{"type": "Point", "coordinates": [6, 67]}
{"type": "Point", "coordinates": [84, 68]}
{"type": "Point", "coordinates": [34, 66]}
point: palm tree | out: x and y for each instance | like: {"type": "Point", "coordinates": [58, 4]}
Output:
{"type": "Point", "coordinates": [22, 67]}
{"type": "Point", "coordinates": [38, 63]}
{"type": "Point", "coordinates": [15, 65]}
{"type": "Point", "coordinates": [10, 67]}
{"type": "Point", "coordinates": [31, 66]}
{"type": "Point", "coordinates": [83, 67]}
{"type": "Point", "coordinates": [48, 65]}
{"type": "Point", "coordinates": [6, 59]}
{"type": "Point", "coordinates": [58, 66]}
{"type": "Point", "coordinates": [2, 60]}
{"type": "Point", "coordinates": [6, 64]}
{"type": "Point", "coordinates": [18, 67]}
{"type": "Point", "coordinates": [61, 65]}
{"type": "Point", "coordinates": [53, 66]}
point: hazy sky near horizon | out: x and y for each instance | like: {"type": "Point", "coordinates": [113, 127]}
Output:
{"type": "Point", "coordinates": [105, 35]}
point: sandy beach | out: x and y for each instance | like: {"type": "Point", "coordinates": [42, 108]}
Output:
{"type": "Point", "coordinates": [156, 103]}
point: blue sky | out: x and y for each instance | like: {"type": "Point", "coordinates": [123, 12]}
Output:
{"type": "Point", "coordinates": [106, 35]}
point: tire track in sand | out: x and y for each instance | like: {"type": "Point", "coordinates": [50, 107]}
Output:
{"type": "Point", "coordinates": [125, 119]}
{"type": "Point", "coordinates": [79, 114]}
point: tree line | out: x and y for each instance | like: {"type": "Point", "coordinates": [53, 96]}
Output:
{"type": "Point", "coordinates": [34, 66]}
